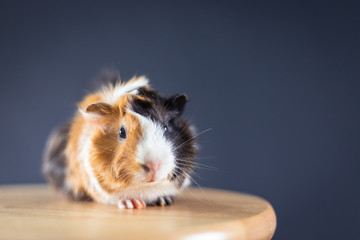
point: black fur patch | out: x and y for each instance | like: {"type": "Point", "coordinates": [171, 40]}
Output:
{"type": "Point", "coordinates": [169, 111]}
{"type": "Point", "coordinates": [54, 162]}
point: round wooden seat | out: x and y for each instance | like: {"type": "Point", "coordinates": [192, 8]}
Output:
{"type": "Point", "coordinates": [37, 212]}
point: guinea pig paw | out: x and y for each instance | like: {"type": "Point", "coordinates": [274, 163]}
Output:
{"type": "Point", "coordinates": [130, 204]}
{"type": "Point", "coordinates": [163, 201]}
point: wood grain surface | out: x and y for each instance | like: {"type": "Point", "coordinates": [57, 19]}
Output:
{"type": "Point", "coordinates": [37, 212]}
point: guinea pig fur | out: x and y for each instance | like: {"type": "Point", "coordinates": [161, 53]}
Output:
{"type": "Point", "coordinates": [127, 145]}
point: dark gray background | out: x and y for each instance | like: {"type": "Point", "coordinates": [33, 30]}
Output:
{"type": "Point", "coordinates": [278, 83]}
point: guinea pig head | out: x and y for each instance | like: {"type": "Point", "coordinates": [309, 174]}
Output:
{"type": "Point", "coordinates": [140, 140]}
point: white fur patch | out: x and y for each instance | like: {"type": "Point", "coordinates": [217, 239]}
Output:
{"type": "Point", "coordinates": [153, 147]}
{"type": "Point", "coordinates": [112, 95]}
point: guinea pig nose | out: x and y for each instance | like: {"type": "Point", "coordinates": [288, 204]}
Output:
{"type": "Point", "coordinates": [151, 167]}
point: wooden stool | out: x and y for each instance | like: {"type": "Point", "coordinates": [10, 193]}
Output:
{"type": "Point", "coordinates": [36, 212]}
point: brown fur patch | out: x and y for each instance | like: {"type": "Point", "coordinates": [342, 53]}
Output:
{"type": "Point", "coordinates": [114, 161]}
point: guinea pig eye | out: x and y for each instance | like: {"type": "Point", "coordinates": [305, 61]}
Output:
{"type": "Point", "coordinates": [122, 133]}
{"type": "Point", "coordinates": [165, 128]}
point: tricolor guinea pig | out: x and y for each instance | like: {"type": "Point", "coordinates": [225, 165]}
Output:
{"type": "Point", "coordinates": [127, 145]}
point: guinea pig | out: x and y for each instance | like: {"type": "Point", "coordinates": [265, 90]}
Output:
{"type": "Point", "coordinates": [127, 145]}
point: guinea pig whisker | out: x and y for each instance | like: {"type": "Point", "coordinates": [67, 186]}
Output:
{"type": "Point", "coordinates": [176, 171]}
{"type": "Point", "coordinates": [197, 175]}
{"type": "Point", "coordinates": [192, 179]}
{"type": "Point", "coordinates": [198, 166]}
{"type": "Point", "coordinates": [122, 176]}
{"type": "Point", "coordinates": [187, 159]}
{"type": "Point", "coordinates": [123, 179]}
{"type": "Point", "coordinates": [109, 148]}
{"type": "Point", "coordinates": [118, 188]}
{"type": "Point", "coordinates": [205, 157]}
{"type": "Point", "coordinates": [179, 133]}
{"type": "Point", "coordinates": [204, 165]}
{"type": "Point", "coordinates": [189, 162]}
{"type": "Point", "coordinates": [193, 172]}
{"type": "Point", "coordinates": [188, 190]}
{"type": "Point", "coordinates": [209, 129]}
{"type": "Point", "coordinates": [182, 172]}
{"type": "Point", "coordinates": [100, 146]}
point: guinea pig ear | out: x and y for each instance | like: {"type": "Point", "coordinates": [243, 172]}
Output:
{"type": "Point", "coordinates": [176, 103]}
{"type": "Point", "coordinates": [99, 108]}
{"type": "Point", "coordinates": [96, 111]}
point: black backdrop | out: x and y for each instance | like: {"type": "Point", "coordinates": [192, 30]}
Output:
{"type": "Point", "coordinates": [277, 82]}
